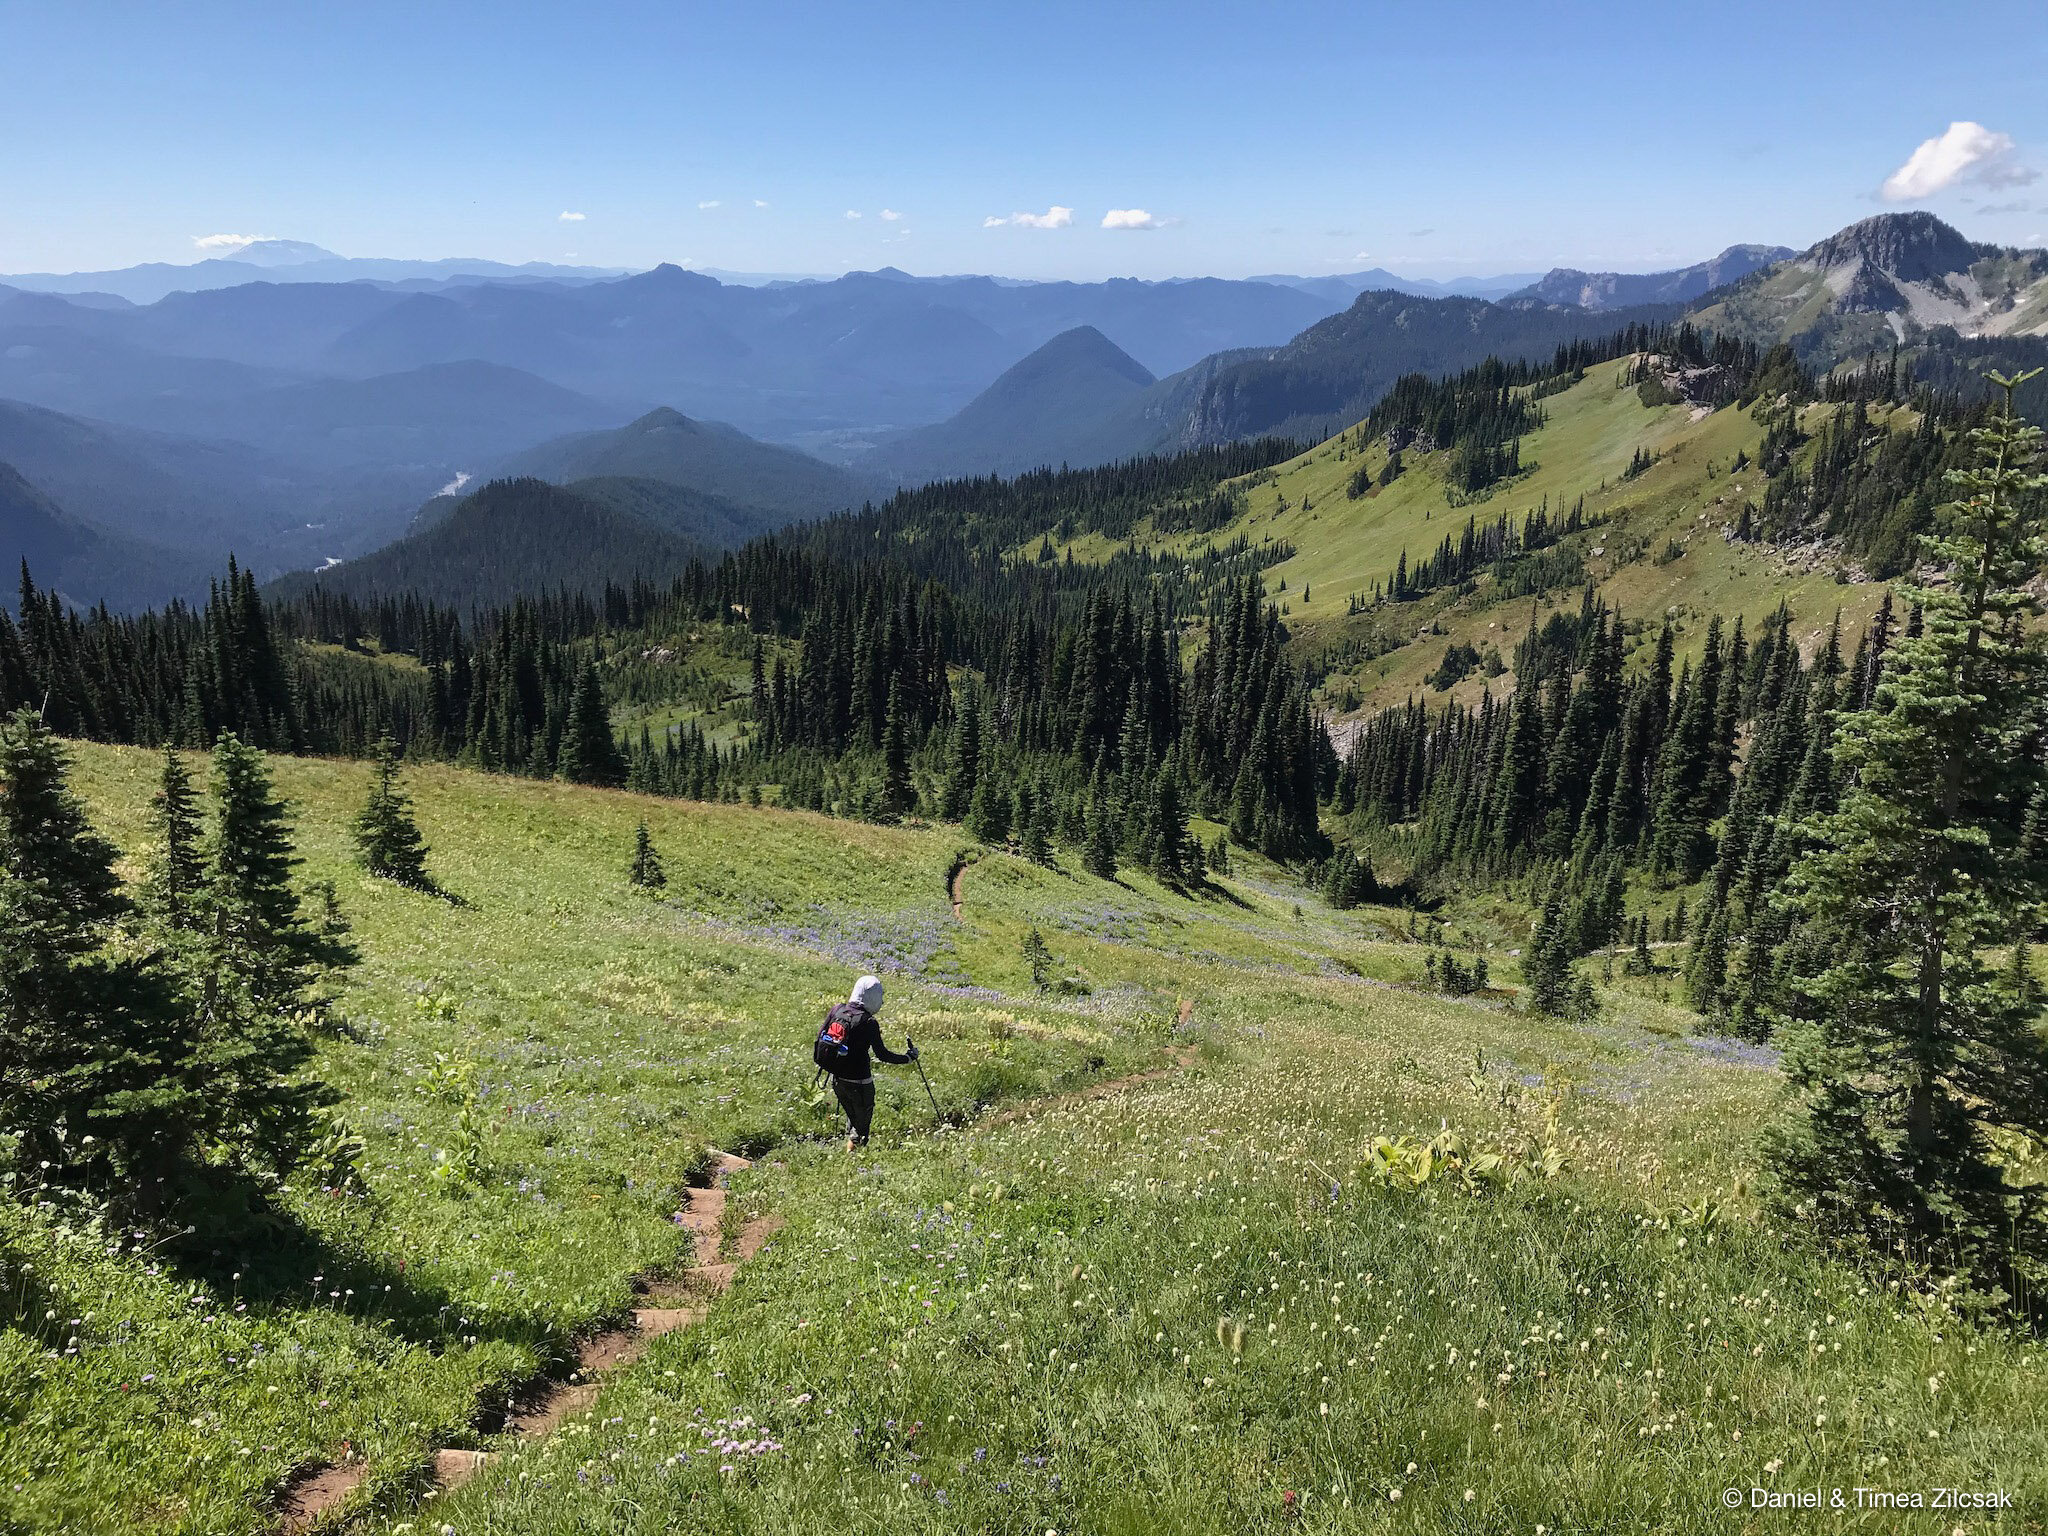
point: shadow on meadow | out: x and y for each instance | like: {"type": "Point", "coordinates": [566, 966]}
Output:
{"type": "Point", "coordinates": [271, 1260]}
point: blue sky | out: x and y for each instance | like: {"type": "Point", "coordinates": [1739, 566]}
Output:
{"type": "Point", "coordinates": [1440, 139]}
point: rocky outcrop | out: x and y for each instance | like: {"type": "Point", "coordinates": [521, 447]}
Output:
{"type": "Point", "coordinates": [1910, 247]}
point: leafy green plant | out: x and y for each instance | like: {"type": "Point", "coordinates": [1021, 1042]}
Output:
{"type": "Point", "coordinates": [1449, 1157]}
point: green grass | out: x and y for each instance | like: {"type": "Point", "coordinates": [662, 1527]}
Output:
{"type": "Point", "coordinates": [614, 1037]}
{"type": "Point", "coordinates": [1343, 546]}
{"type": "Point", "coordinates": [1026, 1327]}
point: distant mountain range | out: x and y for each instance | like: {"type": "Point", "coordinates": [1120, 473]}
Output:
{"type": "Point", "coordinates": [1062, 403]}
{"type": "Point", "coordinates": [1618, 290]}
{"type": "Point", "coordinates": [82, 563]}
{"type": "Point", "coordinates": [866, 352]}
{"type": "Point", "coordinates": [1321, 381]}
{"type": "Point", "coordinates": [1897, 277]}
{"type": "Point", "coordinates": [764, 485]}
{"type": "Point", "coordinates": [511, 537]}
{"type": "Point", "coordinates": [152, 486]}
{"type": "Point", "coordinates": [1900, 277]}
{"type": "Point", "coordinates": [292, 261]}
{"type": "Point", "coordinates": [1344, 286]}
{"type": "Point", "coordinates": [299, 423]}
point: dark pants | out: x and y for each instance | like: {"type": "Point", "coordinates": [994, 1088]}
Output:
{"type": "Point", "coordinates": [858, 1100]}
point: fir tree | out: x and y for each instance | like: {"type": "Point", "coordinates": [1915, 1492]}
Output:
{"type": "Point", "coordinates": [1034, 822]}
{"type": "Point", "coordinates": [260, 959]}
{"type": "Point", "coordinates": [259, 943]}
{"type": "Point", "coordinates": [1039, 958]}
{"type": "Point", "coordinates": [1099, 855]}
{"type": "Point", "coordinates": [1640, 961]}
{"type": "Point", "coordinates": [964, 770]}
{"type": "Point", "coordinates": [646, 871]}
{"type": "Point", "coordinates": [590, 753]}
{"type": "Point", "coordinates": [1908, 1055]}
{"type": "Point", "coordinates": [897, 796]}
{"type": "Point", "coordinates": [1680, 844]}
{"type": "Point", "coordinates": [1169, 831]}
{"type": "Point", "coordinates": [988, 818]}
{"type": "Point", "coordinates": [1515, 812]}
{"type": "Point", "coordinates": [388, 842]}
{"type": "Point", "coordinates": [1707, 976]}
{"type": "Point", "coordinates": [1547, 963]}
{"type": "Point", "coordinates": [93, 1046]}
{"type": "Point", "coordinates": [175, 870]}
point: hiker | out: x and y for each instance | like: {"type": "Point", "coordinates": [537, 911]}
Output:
{"type": "Point", "coordinates": [851, 1031]}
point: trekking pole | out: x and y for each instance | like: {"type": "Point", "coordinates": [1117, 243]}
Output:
{"type": "Point", "coordinates": [918, 1062]}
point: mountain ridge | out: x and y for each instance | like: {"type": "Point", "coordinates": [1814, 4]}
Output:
{"type": "Point", "coordinates": [83, 563]}
{"type": "Point", "coordinates": [1610, 290]}
{"type": "Point", "coordinates": [512, 537]}
{"type": "Point", "coordinates": [1894, 277]}
{"type": "Point", "coordinates": [1039, 411]}
{"type": "Point", "coordinates": [771, 484]}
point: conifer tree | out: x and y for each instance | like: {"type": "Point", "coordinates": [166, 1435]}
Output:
{"type": "Point", "coordinates": [1707, 975]}
{"type": "Point", "coordinates": [590, 753]}
{"type": "Point", "coordinates": [1039, 957]}
{"type": "Point", "coordinates": [93, 1043]}
{"type": "Point", "coordinates": [1098, 856]}
{"type": "Point", "coordinates": [1169, 831]}
{"type": "Point", "coordinates": [260, 959]}
{"type": "Point", "coordinates": [176, 869]}
{"type": "Point", "coordinates": [259, 943]}
{"type": "Point", "coordinates": [1547, 963]}
{"type": "Point", "coordinates": [964, 769]}
{"type": "Point", "coordinates": [897, 796]}
{"type": "Point", "coordinates": [646, 871]}
{"type": "Point", "coordinates": [988, 818]}
{"type": "Point", "coordinates": [1034, 821]}
{"type": "Point", "coordinates": [1908, 1054]}
{"type": "Point", "coordinates": [1640, 961]}
{"type": "Point", "coordinates": [1680, 844]}
{"type": "Point", "coordinates": [1518, 782]}
{"type": "Point", "coordinates": [388, 841]}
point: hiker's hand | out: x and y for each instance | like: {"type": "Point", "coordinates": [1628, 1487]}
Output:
{"type": "Point", "coordinates": [911, 1053]}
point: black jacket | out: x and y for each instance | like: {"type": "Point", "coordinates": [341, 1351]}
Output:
{"type": "Point", "coordinates": [863, 1034]}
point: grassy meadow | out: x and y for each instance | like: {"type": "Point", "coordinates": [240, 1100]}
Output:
{"type": "Point", "coordinates": [1688, 497]}
{"type": "Point", "coordinates": [1229, 1298]}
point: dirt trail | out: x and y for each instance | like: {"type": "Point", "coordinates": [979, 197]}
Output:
{"type": "Point", "coordinates": [668, 1304]}
{"type": "Point", "coordinates": [1183, 1058]}
{"type": "Point", "coordinates": [958, 887]}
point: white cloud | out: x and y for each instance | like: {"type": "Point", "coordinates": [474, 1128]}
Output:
{"type": "Point", "coordinates": [853, 213]}
{"type": "Point", "coordinates": [758, 203]}
{"type": "Point", "coordinates": [1131, 218]}
{"type": "Point", "coordinates": [1054, 217]}
{"type": "Point", "coordinates": [710, 202]}
{"type": "Point", "coordinates": [891, 215]}
{"type": "Point", "coordinates": [1966, 152]}
{"type": "Point", "coordinates": [567, 217]}
{"type": "Point", "coordinates": [227, 242]}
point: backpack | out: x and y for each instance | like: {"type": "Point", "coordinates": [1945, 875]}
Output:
{"type": "Point", "coordinates": [833, 1049]}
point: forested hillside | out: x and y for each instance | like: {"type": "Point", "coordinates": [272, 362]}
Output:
{"type": "Point", "coordinates": [1062, 654]}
